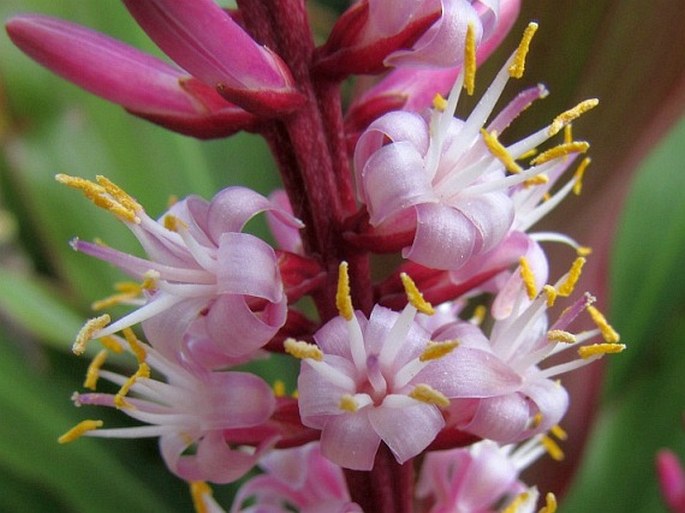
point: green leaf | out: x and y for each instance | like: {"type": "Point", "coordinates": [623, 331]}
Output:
{"type": "Point", "coordinates": [645, 398]}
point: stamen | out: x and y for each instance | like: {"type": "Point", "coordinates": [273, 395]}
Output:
{"type": "Point", "coordinates": [439, 102]}
{"type": "Point", "coordinates": [142, 372]}
{"type": "Point", "coordinates": [559, 432]}
{"type": "Point", "coordinates": [302, 350]}
{"type": "Point", "coordinates": [566, 288]}
{"type": "Point", "coordinates": [127, 291]}
{"type": "Point", "coordinates": [561, 336]}
{"type": "Point", "coordinates": [560, 151]}
{"type": "Point", "coordinates": [528, 277]}
{"type": "Point", "coordinates": [499, 151]}
{"type": "Point", "coordinates": [536, 421]}
{"type": "Point", "coordinates": [586, 352]}
{"type": "Point", "coordinates": [343, 299]}
{"type": "Point", "coordinates": [136, 346]}
{"type": "Point", "coordinates": [347, 403]}
{"type": "Point", "coordinates": [550, 504]}
{"type": "Point", "coordinates": [540, 179]}
{"type": "Point", "coordinates": [583, 251]}
{"type": "Point", "coordinates": [552, 448]}
{"type": "Point", "coordinates": [90, 328]}
{"type": "Point", "coordinates": [470, 60]}
{"type": "Point", "coordinates": [93, 372]}
{"type": "Point", "coordinates": [578, 175]}
{"type": "Point", "coordinates": [112, 344]}
{"type": "Point", "coordinates": [198, 491]}
{"type": "Point", "coordinates": [565, 118]}
{"type": "Point", "coordinates": [608, 333]}
{"type": "Point", "coordinates": [514, 505]}
{"type": "Point", "coordinates": [414, 296]}
{"type": "Point", "coordinates": [551, 293]}
{"type": "Point", "coordinates": [568, 133]}
{"type": "Point", "coordinates": [518, 66]}
{"type": "Point", "coordinates": [427, 394]}
{"type": "Point", "coordinates": [104, 195]}
{"type": "Point", "coordinates": [79, 430]}
{"type": "Point", "coordinates": [436, 350]}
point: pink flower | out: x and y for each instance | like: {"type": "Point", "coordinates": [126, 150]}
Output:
{"type": "Point", "coordinates": [522, 342]}
{"type": "Point", "coordinates": [381, 379]}
{"type": "Point", "coordinates": [200, 266]}
{"type": "Point", "coordinates": [444, 181]}
{"type": "Point", "coordinates": [191, 408]}
{"type": "Point", "coordinates": [298, 479]}
{"type": "Point", "coordinates": [671, 480]}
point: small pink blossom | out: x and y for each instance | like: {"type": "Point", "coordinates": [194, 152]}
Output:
{"type": "Point", "coordinates": [671, 480]}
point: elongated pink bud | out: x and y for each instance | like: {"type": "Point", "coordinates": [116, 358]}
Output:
{"type": "Point", "coordinates": [204, 40]}
{"type": "Point", "coordinates": [141, 83]}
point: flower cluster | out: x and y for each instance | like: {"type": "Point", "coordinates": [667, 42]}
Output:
{"type": "Point", "coordinates": [466, 394]}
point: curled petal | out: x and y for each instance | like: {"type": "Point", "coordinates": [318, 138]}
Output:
{"type": "Point", "coordinates": [502, 419]}
{"type": "Point", "coordinates": [491, 214]}
{"type": "Point", "coordinates": [237, 330]}
{"type": "Point", "coordinates": [551, 400]}
{"type": "Point", "coordinates": [445, 238]}
{"type": "Point", "coordinates": [350, 441]}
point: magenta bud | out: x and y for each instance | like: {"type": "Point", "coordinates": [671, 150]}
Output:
{"type": "Point", "coordinates": [141, 83]}
{"type": "Point", "coordinates": [205, 41]}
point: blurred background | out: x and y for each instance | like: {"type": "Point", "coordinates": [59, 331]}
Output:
{"type": "Point", "coordinates": [629, 53]}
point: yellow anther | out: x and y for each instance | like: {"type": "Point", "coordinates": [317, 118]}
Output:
{"type": "Point", "coordinates": [295, 394]}
{"type": "Point", "coordinates": [279, 388]}
{"type": "Point", "coordinates": [561, 151]}
{"type": "Point", "coordinates": [90, 328]}
{"type": "Point", "coordinates": [561, 336]}
{"type": "Point", "coordinates": [540, 179]}
{"type": "Point", "coordinates": [347, 403]}
{"type": "Point", "coordinates": [546, 196]}
{"type": "Point", "coordinates": [470, 60]}
{"type": "Point", "coordinates": [112, 344]}
{"type": "Point", "coordinates": [518, 65]}
{"type": "Point", "coordinates": [414, 296]}
{"type": "Point", "coordinates": [93, 372]}
{"type": "Point", "coordinates": [118, 193]}
{"type": "Point", "coordinates": [578, 175]}
{"type": "Point", "coordinates": [136, 345]}
{"type": "Point", "coordinates": [499, 151]}
{"type": "Point", "coordinates": [105, 195]}
{"type": "Point", "coordinates": [566, 288]}
{"type": "Point", "coordinates": [528, 277]}
{"type": "Point", "coordinates": [552, 448]}
{"type": "Point", "coordinates": [436, 350]}
{"type": "Point", "coordinates": [302, 350]}
{"type": "Point", "coordinates": [583, 251]}
{"type": "Point", "coordinates": [427, 394]}
{"type": "Point", "coordinates": [568, 133]}
{"type": "Point", "coordinates": [343, 299]}
{"type": "Point", "coordinates": [567, 117]}
{"type": "Point", "coordinates": [529, 154]}
{"type": "Point", "coordinates": [479, 314]}
{"type": "Point", "coordinates": [551, 294]}
{"type": "Point", "coordinates": [536, 421]}
{"type": "Point", "coordinates": [142, 372]}
{"type": "Point", "coordinates": [439, 102]}
{"type": "Point", "coordinates": [79, 430]}
{"type": "Point", "coordinates": [550, 504]}
{"type": "Point", "coordinates": [559, 432]}
{"type": "Point", "coordinates": [127, 291]}
{"type": "Point", "coordinates": [198, 491]}
{"type": "Point", "coordinates": [610, 335]}
{"type": "Point", "coordinates": [586, 352]}
{"type": "Point", "coordinates": [171, 200]}
{"type": "Point", "coordinates": [514, 505]}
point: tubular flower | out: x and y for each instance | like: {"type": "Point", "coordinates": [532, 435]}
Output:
{"type": "Point", "coordinates": [450, 183]}
{"type": "Point", "coordinates": [199, 265]}
{"type": "Point", "coordinates": [381, 378]}
{"type": "Point", "coordinates": [141, 83]}
{"type": "Point", "coordinates": [298, 479]}
{"type": "Point", "coordinates": [521, 342]}
{"type": "Point", "coordinates": [191, 408]}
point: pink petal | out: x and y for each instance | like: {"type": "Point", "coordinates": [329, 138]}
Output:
{"type": "Point", "coordinates": [550, 398]}
{"type": "Point", "coordinates": [407, 431]}
{"type": "Point", "coordinates": [350, 441]}
{"type": "Point", "coordinates": [491, 214]}
{"type": "Point", "coordinates": [247, 266]}
{"type": "Point", "coordinates": [502, 419]}
{"type": "Point", "coordinates": [445, 238]}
